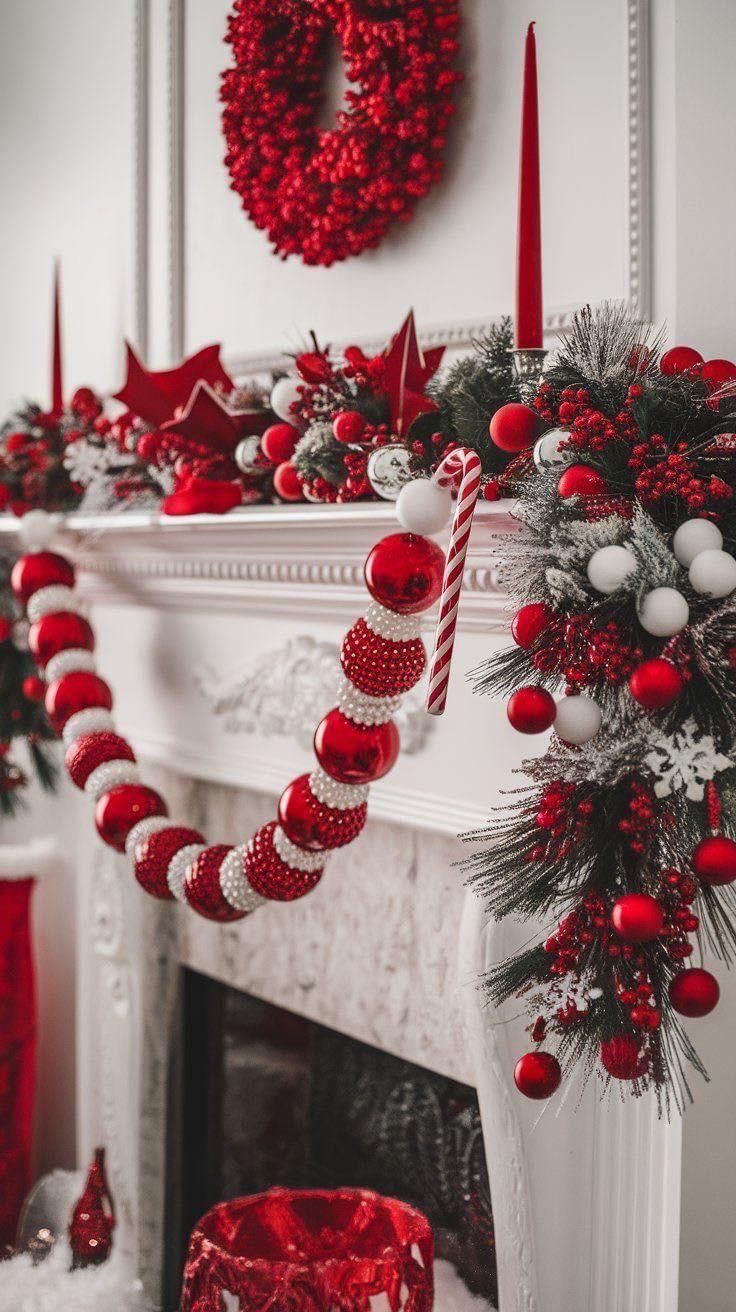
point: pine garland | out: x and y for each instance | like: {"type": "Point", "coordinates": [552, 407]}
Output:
{"type": "Point", "coordinates": [21, 718]}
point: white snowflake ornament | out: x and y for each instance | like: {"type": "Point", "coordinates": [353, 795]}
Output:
{"type": "Point", "coordinates": [684, 760]}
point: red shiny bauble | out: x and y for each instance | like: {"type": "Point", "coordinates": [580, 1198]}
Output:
{"type": "Point", "coordinates": [355, 753]}
{"type": "Point", "coordinates": [117, 811]}
{"type": "Point", "coordinates": [202, 886]}
{"type": "Point", "coordinates": [656, 683]}
{"type": "Point", "coordinates": [515, 427]}
{"type": "Point", "coordinates": [694, 992]}
{"type": "Point", "coordinates": [620, 1057]}
{"type": "Point", "coordinates": [85, 754]}
{"type": "Point", "coordinates": [34, 689]}
{"type": "Point", "coordinates": [717, 372]}
{"type": "Point", "coordinates": [637, 917]}
{"type": "Point", "coordinates": [531, 710]}
{"type": "Point", "coordinates": [279, 442]}
{"type": "Point", "coordinates": [581, 481]}
{"type": "Point", "coordinates": [74, 692]}
{"type": "Point", "coordinates": [379, 666]}
{"type": "Point", "coordinates": [348, 426]}
{"type": "Point", "coordinates": [404, 572]}
{"type": "Point", "coordinates": [537, 1074]}
{"type": "Point", "coordinates": [287, 482]}
{"type": "Point", "coordinates": [679, 359]}
{"type": "Point", "coordinates": [529, 623]}
{"type": "Point", "coordinates": [58, 632]}
{"type": "Point", "coordinates": [37, 570]}
{"type": "Point", "coordinates": [153, 854]}
{"type": "Point", "coordinates": [272, 877]}
{"type": "Point", "coordinates": [714, 860]}
{"type": "Point", "coordinates": [312, 825]}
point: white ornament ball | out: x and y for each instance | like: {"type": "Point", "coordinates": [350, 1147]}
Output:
{"type": "Point", "coordinates": [423, 506]}
{"type": "Point", "coordinates": [283, 395]}
{"type": "Point", "coordinates": [578, 719]}
{"type": "Point", "coordinates": [609, 567]}
{"type": "Point", "coordinates": [246, 454]}
{"type": "Point", "coordinates": [36, 529]}
{"type": "Point", "coordinates": [663, 612]}
{"type": "Point", "coordinates": [547, 451]}
{"type": "Point", "coordinates": [694, 536]}
{"type": "Point", "coordinates": [713, 573]}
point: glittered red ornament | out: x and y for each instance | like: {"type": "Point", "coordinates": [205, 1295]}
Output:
{"type": "Point", "coordinates": [312, 825]}
{"type": "Point", "coordinates": [85, 754]}
{"type": "Point", "coordinates": [694, 992]}
{"type": "Point", "coordinates": [530, 622]}
{"type": "Point", "coordinates": [74, 692]}
{"type": "Point", "coordinates": [355, 753]}
{"type": "Point", "coordinates": [715, 373]}
{"type": "Point", "coordinates": [714, 860]}
{"type": "Point", "coordinates": [637, 917]}
{"type": "Point", "coordinates": [39, 569]}
{"type": "Point", "coordinates": [348, 426]}
{"type": "Point", "coordinates": [153, 854]}
{"type": "Point", "coordinates": [379, 666]}
{"type": "Point", "coordinates": [122, 807]}
{"type": "Point", "coordinates": [531, 710]}
{"type": "Point", "coordinates": [57, 632]}
{"type": "Point", "coordinates": [288, 483]}
{"type": "Point", "coordinates": [656, 683]}
{"type": "Point", "coordinates": [272, 877]}
{"type": "Point", "coordinates": [620, 1057]}
{"type": "Point", "coordinates": [515, 427]}
{"type": "Point", "coordinates": [202, 886]}
{"type": "Point", "coordinates": [93, 1218]}
{"type": "Point", "coordinates": [34, 689]}
{"type": "Point", "coordinates": [679, 359]}
{"type": "Point", "coordinates": [537, 1074]}
{"type": "Point", "coordinates": [404, 572]}
{"type": "Point", "coordinates": [279, 442]}
{"type": "Point", "coordinates": [581, 481]}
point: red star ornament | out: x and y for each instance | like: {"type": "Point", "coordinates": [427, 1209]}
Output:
{"type": "Point", "coordinates": [407, 371]}
{"type": "Point", "coordinates": [206, 418]}
{"type": "Point", "coordinates": [156, 395]}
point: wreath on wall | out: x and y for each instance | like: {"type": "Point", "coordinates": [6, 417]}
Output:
{"type": "Point", "coordinates": [329, 194]}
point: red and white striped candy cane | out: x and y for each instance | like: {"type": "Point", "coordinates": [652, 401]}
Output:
{"type": "Point", "coordinates": [463, 466]}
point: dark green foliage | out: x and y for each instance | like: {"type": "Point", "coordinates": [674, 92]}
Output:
{"type": "Point", "coordinates": [474, 389]}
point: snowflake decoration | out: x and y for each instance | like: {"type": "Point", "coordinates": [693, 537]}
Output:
{"type": "Point", "coordinates": [89, 462]}
{"type": "Point", "coordinates": [684, 760]}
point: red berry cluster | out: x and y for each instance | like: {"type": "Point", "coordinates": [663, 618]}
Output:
{"type": "Point", "coordinates": [562, 820]}
{"type": "Point", "coordinates": [673, 477]}
{"type": "Point", "coordinates": [586, 654]}
{"type": "Point", "coordinates": [639, 823]}
{"type": "Point", "coordinates": [590, 429]}
{"type": "Point", "coordinates": [32, 446]}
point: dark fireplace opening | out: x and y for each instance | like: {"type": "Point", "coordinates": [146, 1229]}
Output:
{"type": "Point", "coordinates": [262, 1097]}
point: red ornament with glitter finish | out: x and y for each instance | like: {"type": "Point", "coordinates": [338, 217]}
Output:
{"type": "Point", "coordinates": [152, 855]}
{"type": "Point", "coordinates": [272, 877]}
{"type": "Point", "coordinates": [312, 825]}
{"type": "Point", "coordinates": [378, 666]}
{"type": "Point", "coordinates": [85, 754]}
{"type": "Point", "coordinates": [202, 886]}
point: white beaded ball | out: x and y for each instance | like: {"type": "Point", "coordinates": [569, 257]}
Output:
{"type": "Point", "coordinates": [36, 529]}
{"type": "Point", "coordinates": [609, 567]}
{"type": "Point", "coordinates": [663, 612]}
{"type": "Point", "coordinates": [578, 719]}
{"type": "Point", "coordinates": [423, 506]}
{"type": "Point", "coordinates": [547, 451]}
{"type": "Point", "coordinates": [713, 573]}
{"type": "Point", "coordinates": [284, 394]}
{"type": "Point", "coordinates": [694, 536]}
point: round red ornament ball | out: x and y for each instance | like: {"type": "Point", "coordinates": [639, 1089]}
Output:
{"type": "Point", "coordinates": [620, 1057]}
{"type": "Point", "coordinates": [279, 442]}
{"type": "Point", "coordinates": [85, 754]}
{"type": "Point", "coordinates": [717, 372]}
{"type": "Point", "coordinates": [153, 854]}
{"type": "Point", "coordinates": [537, 1074]}
{"type": "Point", "coordinates": [529, 623]}
{"type": "Point", "coordinates": [202, 886]}
{"type": "Point", "coordinates": [34, 689]}
{"type": "Point", "coordinates": [679, 359]}
{"type": "Point", "coordinates": [656, 683]}
{"type": "Point", "coordinates": [714, 860]}
{"type": "Point", "coordinates": [637, 917]}
{"type": "Point", "coordinates": [355, 753]}
{"type": "Point", "coordinates": [312, 825]}
{"type": "Point", "coordinates": [348, 426]}
{"type": "Point", "coordinates": [122, 807]}
{"type": "Point", "coordinates": [6, 628]}
{"type": "Point", "coordinates": [694, 992]}
{"type": "Point", "coordinates": [515, 427]}
{"type": "Point", "coordinates": [581, 481]}
{"type": "Point", "coordinates": [74, 692]}
{"type": "Point", "coordinates": [379, 666]}
{"type": "Point", "coordinates": [57, 632]}
{"type": "Point", "coordinates": [404, 572]}
{"type": "Point", "coordinates": [273, 878]}
{"type": "Point", "coordinates": [287, 482]}
{"type": "Point", "coordinates": [531, 710]}
{"type": "Point", "coordinates": [40, 569]}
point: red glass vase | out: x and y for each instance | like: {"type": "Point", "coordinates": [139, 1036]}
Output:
{"type": "Point", "coordinates": [310, 1251]}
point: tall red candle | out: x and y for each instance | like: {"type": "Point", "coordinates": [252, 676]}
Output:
{"type": "Point", "coordinates": [529, 239]}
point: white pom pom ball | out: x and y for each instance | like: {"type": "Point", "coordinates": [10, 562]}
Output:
{"type": "Point", "coordinates": [694, 536]}
{"type": "Point", "coordinates": [609, 567]}
{"type": "Point", "coordinates": [578, 719]}
{"type": "Point", "coordinates": [423, 506]}
{"type": "Point", "coordinates": [283, 395]}
{"type": "Point", "coordinates": [36, 529]}
{"type": "Point", "coordinates": [663, 612]}
{"type": "Point", "coordinates": [713, 573]}
{"type": "Point", "coordinates": [547, 449]}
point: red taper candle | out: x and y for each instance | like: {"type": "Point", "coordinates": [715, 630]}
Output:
{"type": "Point", "coordinates": [57, 386]}
{"type": "Point", "coordinates": [529, 238]}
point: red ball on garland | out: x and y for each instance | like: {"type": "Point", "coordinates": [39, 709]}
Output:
{"type": "Point", "coordinates": [379, 666]}
{"type": "Point", "coordinates": [679, 359]}
{"type": "Point", "coordinates": [404, 572]}
{"type": "Point", "coordinates": [279, 443]}
{"type": "Point", "coordinates": [581, 481]}
{"type": "Point", "coordinates": [714, 860]}
{"type": "Point", "coordinates": [153, 854]}
{"type": "Point", "coordinates": [33, 688]}
{"type": "Point", "coordinates": [287, 482]}
{"type": "Point", "coordinates": [39, 569]}
{"type": "Point", "coordinates": [530, 622]}
{"type": "Point", "coordinates": [202, 886]}
{"type": "Point", "coordinates": [85, 754]}
{"type": "Point", "coordinates": [122, 807]}
{"type": "Point", "coordinates": [57, 632]}
{"type": "Point", "coordinates": [656, 683]}
{"type": "Point", "coordinates": [620, 1057]}
{"type": "Point", "coordinates": [355, 753]}
{"type": "Point", "coordinates": [74, 692]}
{"type": "Point", "coordinates": [537, 1075]}
{"type": "Point", "coordinates": [717, 372]}
{"type": "Point", "coordinates": [6, 628]}
{"type": "Point", "coordinates": [348, 426]}
{"type": "Point", "coordinates": [269, 875]}
{"type": "Point", "coordinates": [694, 992]}
{"type": "Point", "coordinates": [531, 710]}
{"type": "Point", "coordinates": [312, 825]}
{"type": "Point", "coordinates": [515, 427]}
{"type": "Point", "coordinates": [637, 917]}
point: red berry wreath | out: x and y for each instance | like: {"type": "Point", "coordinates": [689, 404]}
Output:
{"type": "Point", "coordinates": [328, 194]}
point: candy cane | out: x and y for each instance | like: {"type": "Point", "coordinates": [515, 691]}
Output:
{"type": "Point", "coordinates": [461, 465]}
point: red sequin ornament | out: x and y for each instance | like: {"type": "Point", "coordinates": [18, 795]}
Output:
{"type": "Point", "coordinates": [272, 877]}
{"type": "Point", "coordinates": [515, 427]}
{"type": "Point", "coordinates": [93, 1218]}
{"type": "Point", "coordinates": [679, 359]}
{"type": "Point", "coordinates": [655, 684]}
{"type": "Point", "coordinates": [404, 572]}
{"type": "Point", "coordinates": [355, 753]}
{"type": "Point", "coordinates": [531, 710]}
{"type": "Point", "coordinates": [714, 860]}
{"type": "Point", "coordinates": [637, 917]}
{"type": "Point", "coordinates": [379, 666]}
{"type": "Point", "coordinates": [581, 481]}
{"type": "Point", "coordinates": [85, 754]}
{"type": "Point", "coordinates": [312, 825]}
{"type": "Point", "coordinates": [59, 632]}
{"type": "Point", "coordinates": [40, 569]}
{"type": "Point", "coordinates": [202, 886]}
{"type": "Point", "coordinates": [117, 811]}
{"type": "Point", "coordinates": [537, 1074]}
{"type": "Point", "coordinates": [279, 442]}
{"type": "Point", "coordinates": [74, 692]}
{"type": "Point", "coordinates": [153, 854]}
{"type": "Point", "coordinates": [694, 992]}
{"type": "Point", "coordinates": [530, 622]}
{"type": "Point", "coordinates": [620, 1057]}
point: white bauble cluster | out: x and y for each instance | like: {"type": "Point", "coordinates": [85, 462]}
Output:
{"type": "Point", "coordinates": [663, 612]}
{"type": "Point", "coordinates": [694, 536]}
{"type": "Point", "coordinates": [609, 567]}
{"type": "Point", "coordinates": [547, 452]}
{"type": "Point", "coordinates": [423, 506]}
{"type": "Point", "coordinates": [284, 394]}
{"type": "Point", "coordinates": [578, 719]}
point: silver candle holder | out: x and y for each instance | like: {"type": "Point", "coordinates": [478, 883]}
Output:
{"type": "Point", "coordinates": [528, 364]}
